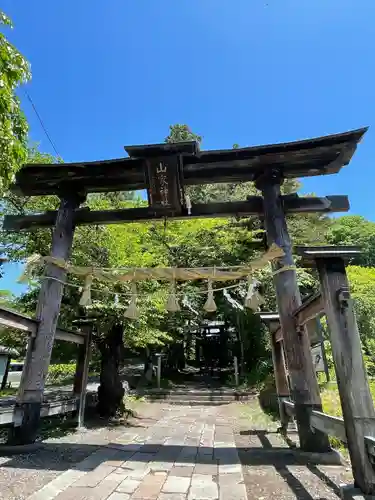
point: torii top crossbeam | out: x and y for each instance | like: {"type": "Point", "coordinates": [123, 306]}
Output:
{"type": "Point", "coordinates": [165, 169]}
{"type": "Point", "coordinates": [323, 155]}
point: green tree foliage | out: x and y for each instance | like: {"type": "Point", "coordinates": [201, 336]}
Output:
{"type": "Point", "coordinates": [189, 243]}
{"type": "Point", "coordinates": [14, 70]}
{"type": "Point", "coordinates": [362, 287]}
{"type": "Point", "coordinates": [8, 336]}
{"type": "Point", "coordinates": [355, 230]}
{"type": "Point", "coordinates": [210, 192]}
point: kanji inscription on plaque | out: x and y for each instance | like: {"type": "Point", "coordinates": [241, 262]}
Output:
{"type": "Point", "coordinates": [164, 187]}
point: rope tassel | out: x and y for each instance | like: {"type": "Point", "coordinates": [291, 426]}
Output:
{"type": "Point", "coordinates": [132, 312]}
{"type": "Point", "coordinates": [86, 294]}
{"type": "Point", "coordinates": [210, 305]}
{"type": "Point", "coordinates": [172, 304]}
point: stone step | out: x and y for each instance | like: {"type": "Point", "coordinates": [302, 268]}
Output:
{"type": "Point", "coordinates": [196, 397]}
{"type": "Point", "coordinates": [194, 393]}
{"type": "Point", "coordinates": [191, 402]}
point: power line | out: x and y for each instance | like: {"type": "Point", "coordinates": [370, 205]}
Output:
{"type": "Point", "coordinates": [2, 66]}
{"type": "Point", "coordinates": [41, 122]}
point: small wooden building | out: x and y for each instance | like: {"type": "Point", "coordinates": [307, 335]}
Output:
{"type": "Point", "coordinates": [6, 353]}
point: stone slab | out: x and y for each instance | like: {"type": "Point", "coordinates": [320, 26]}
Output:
{"type": "Point", "coordinates": [57, 485]}
{"type": "Point", "coordinates": [182, 471]}
{"type": "Point", "coordinates": [94, 477]}
{"type": "Point", "coordinates": [150, 487]}
{"type": "Point", "coordinates": [211, 469]}
{"type": "Point", "coordinates": [171, 496]}
{"type": "Point", "coordinates": [128, 485]}
{"type": "Point", "coordinates": [175, 484]}
{"type": "Point", "coordinates": [119, 496]}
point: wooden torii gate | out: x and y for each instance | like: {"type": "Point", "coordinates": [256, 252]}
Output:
{"type": "Point", "coordinates": [357, 428]}
{"type": "Point", "coordinates": [165, 170]}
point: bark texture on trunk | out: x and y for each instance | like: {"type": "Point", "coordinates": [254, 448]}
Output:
{"type": "Point", "coordinates": [111, 391]}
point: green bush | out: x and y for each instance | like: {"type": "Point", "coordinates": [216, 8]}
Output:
{"type": "Point", "coordinates": [61, 373]}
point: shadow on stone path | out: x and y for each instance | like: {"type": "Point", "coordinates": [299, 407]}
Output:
{"type": "Point", "coordinates": [179, 453]}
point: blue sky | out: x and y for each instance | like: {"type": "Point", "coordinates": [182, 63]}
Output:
{"type": "Point", "coordinates": [117, 72]}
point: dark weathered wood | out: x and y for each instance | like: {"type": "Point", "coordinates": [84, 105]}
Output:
{"type": "Point", "coordinates": [85, 375]}
{"type": "Point", "coordinates": [279, 335]}
{"type": "Point", "coordinates": [9, 414]}
{"type": "Point", "coordinates": [253, 206]}
{"type": "Point", "coordinates": [310, 254]}
{"type": "Point", "coordinates": [332, 426]}
{"type": "Point", "coordinates": [273, 323]}
{"type": "Point", "coordinates": [163, 149]}
{"type": "Point", "coordinates": [310, 309]}
{"type": "Point", "coordinates": [6, 372]}
{"type": "Point", "coordinates": [13, 319]}
{"type": "Point", "coordinates": [370, 447]}
{"type": "Point", "coordinates": [289, 408]}
{"type": "Point", "coordinates": [271, 320]}
{"type": "Point", "coordinates": [304, 386]}
{"type": "Point", "coordinates": [312, 332]}
{"type": "Point", "coordinates": [281, 380]}
{"type": "Point", "coordinates": [77, 383]}
{"type": "Point", "coordinates": [66, 336]}
{"type": "Point", "coordinates": [319, 156]}
{"type": "Point", "coordinates": [356, 402]}
{"type": "Point", "coordinates": [323, 155]}
{"type": "Point", "coordinates": [40, 347]}
{"type": "Point", "coordinates": [165, 190]}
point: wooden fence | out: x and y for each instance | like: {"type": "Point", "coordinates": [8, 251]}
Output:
{"type": "Point", "coordinates": [81, 337]}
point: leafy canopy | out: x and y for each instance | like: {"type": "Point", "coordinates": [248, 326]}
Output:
{"type": "Point", "coordinates": [355, 230]}
{"type": "Point", "coordinates": [14, 70]}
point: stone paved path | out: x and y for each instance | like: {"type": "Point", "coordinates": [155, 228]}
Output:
{"type": "Point", "coordinates": [175, 453]}
{"type": "Point", "coordinates": [189, 453]}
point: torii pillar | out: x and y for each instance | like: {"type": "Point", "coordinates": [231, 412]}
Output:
{"type": "Point", "coordinates": [39, 350]}
{"type": "Point", "coordinates": [304, 385]}
{"type": "Point", "coordinates": [279, 367]}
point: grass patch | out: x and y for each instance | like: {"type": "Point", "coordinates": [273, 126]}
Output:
{"type": "Point", "coordinates": [134, 398]}
{"type": "Point", "coordinates": [332, 406]}
{"type": "Point", "coordinates": [331, 399]}
{"type": "Point", "coordinates": [254, 414]}
{"type": "Point", "coordinates": [8, 392]}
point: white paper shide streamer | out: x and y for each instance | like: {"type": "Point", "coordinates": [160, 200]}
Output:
{"type": "Point", "coordinates": [86, 294]}
{"type": "Point", "coordinates": [132, 312]}
{"type": "Point", "coordinates": [36, 263]}
{"type": "Point", "coordinates": [253, 297]}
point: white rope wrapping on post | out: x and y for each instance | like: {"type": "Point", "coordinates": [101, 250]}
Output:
{"type": "Point", "coordinates": [283, 269]}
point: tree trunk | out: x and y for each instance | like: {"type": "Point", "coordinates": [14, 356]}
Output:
{"type": "Point", "coordinates": [111, 391]}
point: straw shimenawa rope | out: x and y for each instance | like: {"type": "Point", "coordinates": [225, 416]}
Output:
{"type": "Point", "coordinates": [35, 262]}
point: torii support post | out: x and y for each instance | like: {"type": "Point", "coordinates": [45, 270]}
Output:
{"type": "Point", "coordinates": [281, 380]}
{"type": "Point", "coordinates": [30, 397]}
{"type": "Point", "coordinates": [279, 368]}
{"type": "Point", "coordinates": [81, 376]}
{"type": "Point", "coordinates": [356, 401]}
{"type": "Point", "coordinates": [304, 385]}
